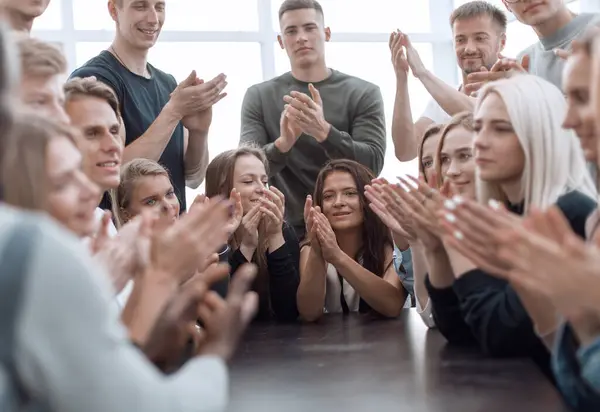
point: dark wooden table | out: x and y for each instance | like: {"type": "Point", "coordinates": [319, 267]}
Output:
{"type": "Point", "coordinates": [353, 364]}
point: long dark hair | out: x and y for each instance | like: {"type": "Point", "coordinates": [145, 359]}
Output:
{"type": "Point", "coordinates": [375, 234]}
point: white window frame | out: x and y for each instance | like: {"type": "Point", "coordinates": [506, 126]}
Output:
{"type": "Point", "coordinates": [440, 36]}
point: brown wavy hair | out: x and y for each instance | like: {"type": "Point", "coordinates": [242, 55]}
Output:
{"type": "Point", "coordinates": [375, 234]}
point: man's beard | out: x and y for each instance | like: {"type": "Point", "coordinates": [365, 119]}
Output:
{"type": "Point", "coordinates": [473, 69]}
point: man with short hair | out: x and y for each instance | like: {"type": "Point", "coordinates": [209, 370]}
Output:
{"type": "Point", "coordinates": [20, 14]}
{"type": "Point", "coordinates": [479, 35]}
{"type": "Point", "coordinates": [93, 108]}
{"type": "Point", "coordinates": [43, 69]}
{"type": "Point", "coordinates": [164, 121]}
{"type": "Point", "coordinates": [556, 27]}
{"type": "Point", "coordinates": [311, 114]}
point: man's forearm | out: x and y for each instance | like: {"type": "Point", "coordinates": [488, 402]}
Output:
{"type": "Point", "coordinates": [403, 131]}
{"type": "Point", "coordinates": [450, 100]}
{"type": "Point", "coordinates": [196, 157]}
{"type": "Point", "coordinates": [152, 143]}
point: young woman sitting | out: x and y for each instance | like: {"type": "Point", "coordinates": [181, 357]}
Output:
{"type": "Point", "coordinates": [346, 263]}
{"type": "Point", "coordinates": [525, 160]}
{"type": "Point", "coordinates": [260, 234]}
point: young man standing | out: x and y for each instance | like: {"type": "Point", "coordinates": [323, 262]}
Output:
{"type": "Point", "coordinates": [479, 34]}
{"type": "Point", "coordinates": [312, 114]}
{"type": "Point", "coordinates": [20, 14]}
{"type": "Point", "coordinates": [164, 121]}
{"type": "Point", "coordinates": [556, 27]}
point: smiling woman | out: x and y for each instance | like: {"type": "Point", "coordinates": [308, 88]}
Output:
{"type": "Point", "coordinates": [346, 261]}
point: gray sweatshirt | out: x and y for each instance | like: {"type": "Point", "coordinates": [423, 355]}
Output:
{"type": "Point", "coordinates": [73, 355]}
{"type": "Point", "coordinates": [543, 62]}
{"type": "Point", "coordinates": [354, 108]}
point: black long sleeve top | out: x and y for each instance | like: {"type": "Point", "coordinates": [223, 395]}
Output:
{"type": "Point", "coordinates": [283, 269]}
{"type": "Point", "coordinates": [492, 312]}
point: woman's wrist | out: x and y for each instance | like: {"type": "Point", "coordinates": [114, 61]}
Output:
{"type": "Point", "coordinates": [275, 241]}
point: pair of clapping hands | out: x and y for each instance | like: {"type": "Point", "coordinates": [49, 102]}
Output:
{"type": "Point", "coordinates": [265, 218]}
{"type": "Point", "coordinates": [539, 252]}
{"type": "Point", "coordinates": [170, 256]}
{"type": "Point", "coordinates": [302, 114]}
{"type": "Point", "coordinates": [320, 233]}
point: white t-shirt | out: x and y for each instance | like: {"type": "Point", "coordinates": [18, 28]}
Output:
{"type": "Point", "coordinates": [112, 230]}
{"type": "Point", "coordinates": [333, 291]}
{"type": "Point", "coordinates": [435, 113]}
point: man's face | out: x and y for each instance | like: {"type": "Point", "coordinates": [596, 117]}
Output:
{"type": "Point", "coordinates": [28, 8]}
{"type": "Point", "coordinates": [139, 21]}
{"type": "Point", "coordinates": [534, 12]}
{"type": "Point", "coordinates": [477, 42]}
{"type": "Point", "coordinates": [45, 95]}
{"type": "Point", "coordinates": [303, 36]}
{"type": "Point", "coordinates": [100, 143]}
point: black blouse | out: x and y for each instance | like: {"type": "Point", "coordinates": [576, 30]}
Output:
{"type": "Point", "coordinates": [283, 269]}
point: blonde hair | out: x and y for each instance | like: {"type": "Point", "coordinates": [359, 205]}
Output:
{"type": "Point", "coordinates": [554, 160]}
{"type": "Point", "coordinates": [131, 172]}
{"type": "Point", "coordinates": [25, 171]}
{"type": "Point", "coordinates": [40, 58]}
{"type": "Point", "coordinates": [464, 120]}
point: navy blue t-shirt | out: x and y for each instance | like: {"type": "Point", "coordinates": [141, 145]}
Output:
{"type": "Point", "coordinates": [141, 101]}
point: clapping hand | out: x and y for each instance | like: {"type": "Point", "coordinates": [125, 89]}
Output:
{"type": "Point", "coordinates": [273, 210]}
{"type": "Point", "coordinates": [306, 113]}
{"type": "Point", "coordinates": [503, 68]}
{"type": "Point", "coordinates": [249, 227]}
{"type": "Point", "coordinates": [381, 204]}
{"type": "Point", "coordinates": [475, 231]}
{"type": "Point", "coordinates": [330, 250]}
{"type": "Point", "coordinates": [225, 320]}
{"type": "Point", "coordinates": [126, 254]}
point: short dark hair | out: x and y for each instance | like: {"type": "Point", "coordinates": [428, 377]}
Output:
{"type": "Point", "coordinates": [479, 8]}
{"type": "Point", "coordinates": [291, 5]}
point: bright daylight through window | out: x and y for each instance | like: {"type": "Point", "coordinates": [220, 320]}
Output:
{"type": "Point", "coordinates": [243, 45]}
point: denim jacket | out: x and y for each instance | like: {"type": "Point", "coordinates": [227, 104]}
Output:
{"type": "Point", "coordinates": [577, 371]}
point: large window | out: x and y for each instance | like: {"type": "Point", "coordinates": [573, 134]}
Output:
{"type": "Point", "coordinates": [238, 38]}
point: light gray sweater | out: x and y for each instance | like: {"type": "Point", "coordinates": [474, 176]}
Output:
{"type": "Point", "coordinates": [73, 355]}
{"type": "Point", "coordinates": [543, 61]}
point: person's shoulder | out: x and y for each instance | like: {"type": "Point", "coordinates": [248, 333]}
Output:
{"type": "Point", "coordinates": [100, 64]}
{"type": "Point", "coordinates": [589, 19]}
{"type": "Point", "coordinates": [162, 75]}
{"type": "Point", "coordinates": [353, 81]}
{"type": "Point", "coordinates": [576, 200]}
{"type": "Point", "coordinates": [576, 207]}
{"type": "Point", "coordinates": [281, 81]}
{"type": "Point", "coordinates": [46, 233]}
{"type": "Point", "coordinates": [528, 51]}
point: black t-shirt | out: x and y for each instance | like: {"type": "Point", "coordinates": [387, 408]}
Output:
{"type": "Point", "coordinates": [141, 101]}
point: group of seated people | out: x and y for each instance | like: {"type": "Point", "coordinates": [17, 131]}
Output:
{"type": "Point", "coordinates": [136, 300]}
